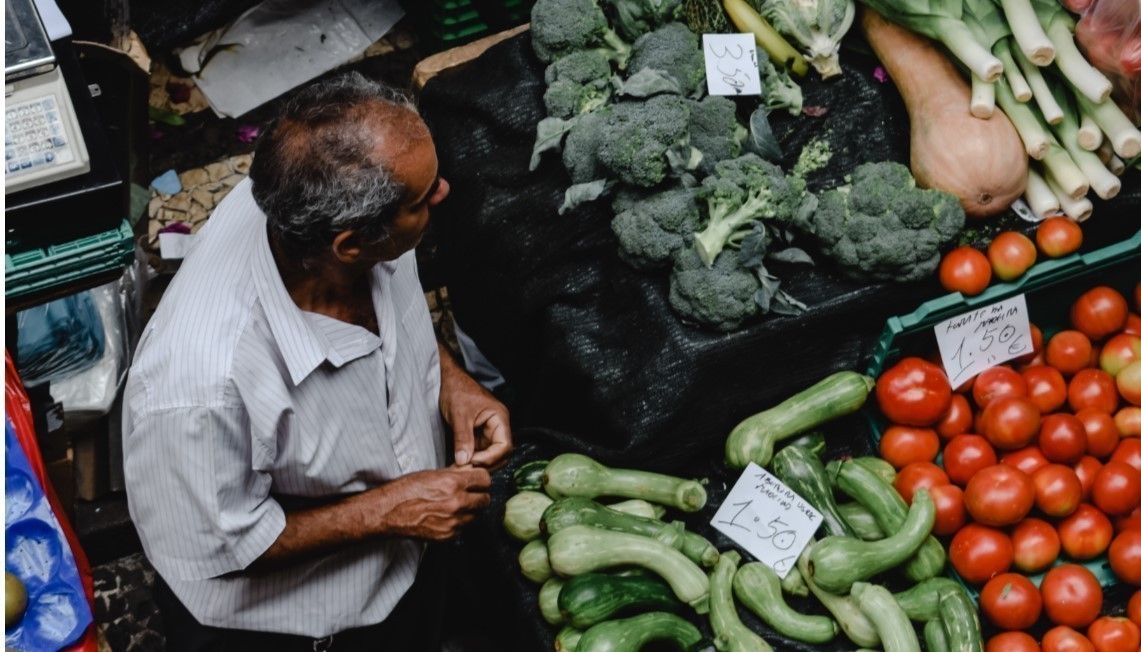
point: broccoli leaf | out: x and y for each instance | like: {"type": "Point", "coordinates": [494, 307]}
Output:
{"type": "Point", "coordinates": [580, 193]}
{"type": "Point", "coordinates": [647, 82]}
{"type": "Point", "coordinates": [549, 136]}
{"type": "Point", "coordinates": [761, 140]}
{"type": "Point", "coordinates": [791, 255]}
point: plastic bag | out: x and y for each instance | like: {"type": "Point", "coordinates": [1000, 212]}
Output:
{"type": "Point", "coordinates": [1109, 33]}
{"type": "Point", "coordinates": [59, 338]}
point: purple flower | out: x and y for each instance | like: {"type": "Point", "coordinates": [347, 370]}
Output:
{"type": "Point", "coordinates": [175, 227]}
{"type": "Point", "coordinates": [880, 74]}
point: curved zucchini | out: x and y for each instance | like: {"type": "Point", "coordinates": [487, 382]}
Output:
{"type": "Point", "coordinates": [522, 513]}
{"type": "Point", "coordinates": [838, 562]}
{"type": "Point", "coordinates": [580, 549]}
{"type": "Point", "coordinates": [961, 620]}
{"type": "Point", "coordinates": [591, 598]}
{"type": "Point", "coordinates": [852, 621]}
{"type": "Point", "coordinates": [936, 636]}
{"type": "Point", "coordinates": [549, 601]}
{"type": "Point", "coordinates": [632, 634]}
{"type": "Point", "coordinates": [879, 466]}
{"type": "Point", "coordinates": [638, 507]}
{"type": "Point", "coordinates": [862, 521]}
{"type": "Point", "coordinates": [921, 602]}
{"type": "Point", "coordinates": [534, 561]}
{"type": "Point", "coordinates": [571, 474]}
{"type": "Point", "coordinates": [794, 584]}
{"type": "Point", "coordinates": [894, 628]}
{"type": "Point", "coordinates": [866, 487]}
{"type": "Point", "coordinates": [731, 633]}
{"type": "Point", "coordinates": [567, 640]}
{"type": "Point", "coordinates": [803, 472]}
{"type": "Point", "coordinates": [565, 512]}
{"type": "Point", "coordinates": [758, 588]}
{"type": "Point", "coordinates": [754, 438]}
{"type": "Point", "coordinates": [529, 477]}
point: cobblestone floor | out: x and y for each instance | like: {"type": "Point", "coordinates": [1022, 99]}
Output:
{"type": "Point", "coordinates": [127, 616]}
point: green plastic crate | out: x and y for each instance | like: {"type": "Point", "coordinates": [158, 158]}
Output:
{"type": "Point", "coordinates": [61, 265]}
{"type": "Point", "coordinates": [448, 23]}
{"type": "Point", "coordinates": [1051, 287]}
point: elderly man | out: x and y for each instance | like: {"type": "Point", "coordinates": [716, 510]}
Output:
{"type": "Point", "coordinates": [284, 417]}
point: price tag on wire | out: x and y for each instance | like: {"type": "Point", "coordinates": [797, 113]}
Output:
{"type": "Point", "coordinates": [766, 518]}
{"type": "Point", "coordinates": [983, 338]}
{"type": "Point", "coordinates": [731, 64]}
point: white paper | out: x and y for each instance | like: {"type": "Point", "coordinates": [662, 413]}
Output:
{"type": "Point", "coordinates": [1022, 209]}
{"type": "Point", "coordinates": [983, 338]}
{"type": "Point", "coordinates": [173, 246]}
{"type": "Point", "coordinates": [766, 518]}
{"type": "Point", "coordinates": [731, 64]}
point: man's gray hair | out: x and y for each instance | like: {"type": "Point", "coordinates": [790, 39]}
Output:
{"type": "Point", "coordinates": [315, 171]}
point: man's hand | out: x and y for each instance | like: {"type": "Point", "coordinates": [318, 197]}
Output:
{"type": "Point", "coordinates": [480, 422]}
{"type": "Point", "coordinates": [433, 505]}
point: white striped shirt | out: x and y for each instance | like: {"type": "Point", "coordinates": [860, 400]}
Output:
{"type": "Point", "coordinates": [237, 396]}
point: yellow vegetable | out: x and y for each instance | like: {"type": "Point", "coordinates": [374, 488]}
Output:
{"type": "Point", "coordinates": [780, 51]}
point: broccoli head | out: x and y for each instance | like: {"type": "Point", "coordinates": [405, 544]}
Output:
{"type": "Point", "coordinates": [674, 50]}
{"type": "Point", "coordinates": [720, 297]}
{"type": "Point", "coordinates": [637, 136]}
{"type": "Point", "coordinates": [714, 130]}
{"type": "Point", "coordinates": [883, 228]}
{"type": "Point", "coordinates": [739, 192]}
{"type": "Point", "coordinates": [577, 83]}
{"type": "Point", "coordinates": [634, 18]}
{"type": "Point", "coordinates": [649, 231]}
{"type": "Point", "coordinates": [580, 151]}
{"type": "Point", "coordinates": [560, 27]}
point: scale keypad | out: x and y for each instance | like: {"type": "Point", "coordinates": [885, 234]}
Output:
{"type": "Point", "coordinates": [34, 136]}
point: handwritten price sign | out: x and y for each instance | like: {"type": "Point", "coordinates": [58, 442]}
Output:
{"type": "Point", "coordinates": [731, 64]}
{"type": "Point", "coordinates": [766, 518]}
{"type": "Point", "coordinates": [983, 338]}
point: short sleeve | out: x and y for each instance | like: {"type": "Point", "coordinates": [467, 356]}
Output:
{"type": "Point", "coordinates": [201, 508]}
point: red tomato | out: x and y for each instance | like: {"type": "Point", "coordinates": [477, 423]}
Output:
{"type": "Point", "coordinates": [1069, 352]}
{"type": "Point", "coordinates": [1117, 488]}
{"type": "Point", "coordinates": [902, 445]}
{"type": "Point", "coordinates": [999, 495]}
{"type": "Point", "coordinates": [1137, 296]}
{"type": "Point", "coordinates": [950, 513]}
{"type": "Point", "coordinates": [1132, 324]}
{"type": "Point", "coordinates": [1010, 255]}
{"type": "Point", "coordinates": [965, 456]}
{"type": "Point", "coordinates": [1128, 421]}
{"type": "Point", "coordinates": [1058, 236]}
{"type": "Point", "coordinates": [1086, 533]}
{"type": "Point", "coordinates": [1071, 596]}
{"type": "Point", "coordinates": [1130, 521]}
{"type": "Point", "coordinates": [1093, 388]}
{"type": "Point", "coordinates": [1129, 383]}
{"type": "Point", "coordinates": [1036, 545]}
{"type": "Point", "coordinates": [1125, 557]}
{"type": "Point", "coordinates": [995, 382]}
{"type": "Point", "coordinates": [1120, 350]}
{"type": "Point", "coordinates": [1134, 609]}
{"type": "Point", "coordinates": [1114, 634]}
{"type": "Point", "coordinates": [1099, 312]}
{"type": "Point", "coordinates": [959, 418]}
{"type": "Point", "coordinates": [1046, 387]}
{"type": "Point", "coordinates": [1038, 345]}
{"type": "Point", "coordinates": [965, 270]}
{"type": "Point", "coordinates": [1065, 639]}
{"type": "Point", "coordinates": [978, 553]}
{"type": "Point", "coordinates": [919, 475]}
{"type": "Point", "coordinates": [1057, 490]}
{"type": "Point", "coordinates": [1102, 434]}
{"type": "Point", "coordinates": [914, 393]}
{"type": "Point", "coordinates": [1028, 460]}
{"type": "Point", "coordinates": [1012, 642]}
{"type": "Point", "coordinates": [1128, 451]}
{"type": "Point", "coordinates": [1062, 438]}
{"type": "Point", "coordinates": [1010, 422]}
{"type": "Point", "coordinates": [1087, 469]}
{"type": "Point", "coordinates": [1010, 601]}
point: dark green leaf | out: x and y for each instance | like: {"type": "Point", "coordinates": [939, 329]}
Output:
{"type": "Point", "coordinates": [761, 140]}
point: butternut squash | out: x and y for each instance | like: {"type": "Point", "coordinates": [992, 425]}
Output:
{"type": "Point", "coordinates": [982, 162]}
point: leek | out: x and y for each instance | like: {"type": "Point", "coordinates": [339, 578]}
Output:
{"type": "Point", "coordinates": [1089, 134]}
{"type": "Point", "coordinates": [1078, 210]}
{"type": "Point", "coordinates": [1042, 201]}
{"type": "Point", "coordinates": [1103, 182]}
{"type": "Point", "coordinates": [1116, 165]}
{"type": "Point", "coordinates": [1124, 137]}
{"type": "Point", "coordinates": [816, 25]}
{"type": "Point", "coordinates": [942, 20]}
{"type": "Point", "coordinates": [984, 20]}
{"type": "Point", "coordinates": [1025, 121]}
{"type": "Point", "coordinates": [1028, 33]}
{"type": "Point", "coordinates": [982, 97]}
{"type": "Point", "coordinates": [1082, 76]}
{"type": "Point", "coordinates": [1049, 108]}
{"type": "Point", "coordinates": [1014, 76]}
{"type": "Point", "coordinates": [1064, 172]}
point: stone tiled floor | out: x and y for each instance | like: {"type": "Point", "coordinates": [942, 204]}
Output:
{"type": "Point", "coordinates": [124, 610]}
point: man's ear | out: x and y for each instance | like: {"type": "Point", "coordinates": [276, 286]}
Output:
{"type": "Point", "coordinates": [347, 246]}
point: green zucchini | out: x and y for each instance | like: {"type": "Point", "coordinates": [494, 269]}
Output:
{"type": "Point", "coordinates": [862, 522]}
{"type": "Point", "coordinates": [571, 474]}
{"type": "Point", "coordinates": [591, 598]}
{"type": "Point", "coordinates": [580, 549]}
{"type": "Point", "coordinates": [921, 602]}
{"type": "Point", "coordinates": [565, 512]}
{"type": "Point", "coordinates": [567, 640]}
{"type": "Point", "coordinates": [793, 583]}
{"type": "Point", "coordinates": [639, 507]}
{"type": "Point", "coordinates": [866, 487]}
{"type": "Point", "coordinates": [879, 466]}
{"type": "Point", "coordinates": [936, 636]}
{"type": "Point", "coordinates": [961, 620]}
{"type": "Point", "coordinates": [549, 601]}
{"type": "Point", "coordinates": [803, 472]}
{"type": "Point", "coordinates": [522, 513]}
{"type": "Point", "coordinates": [758, 588]}
{"type": "Point", "coordinates": [754, 438]}
{"type": "Point", "coordinates": [632, 634]}
{"type": "Point", "coordinates": [813, 441]}
{"type": "Point", "coordinates": [534, 561]}
{"type": "Point", "coordinates": [529, 477]}
{"type": "Point", "coordinates": [838, 562]}
{"type": "Point", "coordinates": [731, 633]}
{"type": "Point", "coordinates": [843, 608]}
{"type": "Point", "coordinates": [894, 628]}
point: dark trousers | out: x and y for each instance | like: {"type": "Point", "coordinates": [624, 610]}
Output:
{"type": "Point", "coordinates": [413, 626]}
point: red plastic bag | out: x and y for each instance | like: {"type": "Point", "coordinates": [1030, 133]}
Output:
{"type": "Point", "coordinates": [1109, 33]}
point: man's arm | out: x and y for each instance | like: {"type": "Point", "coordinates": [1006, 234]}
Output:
{"type": "Point", "coordinates": [480, 422]}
